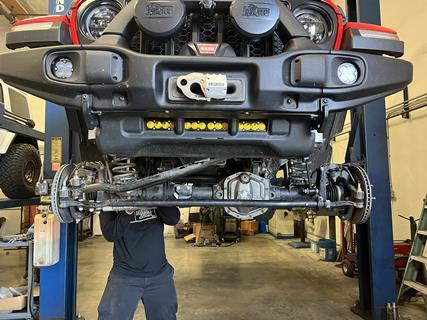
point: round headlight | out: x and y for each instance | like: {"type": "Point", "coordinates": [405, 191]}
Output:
{"type": "Point", "coordinates": [96, 15]}
{"type": "Point", "coordinates": [316, 22]}
{"type": "Point", "coordinates": [315, 25]}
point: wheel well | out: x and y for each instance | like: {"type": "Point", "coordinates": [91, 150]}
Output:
{"type": "Point", "coordinates": [22, 139]}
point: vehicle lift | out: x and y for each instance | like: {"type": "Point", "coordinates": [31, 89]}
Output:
{"type": "Point", "coordinates": [368, 145]}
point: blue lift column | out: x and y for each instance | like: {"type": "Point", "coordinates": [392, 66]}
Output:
{"type": "Point", "coordinates": [58, 283]}
{"type": "Point", "coordinates": [368, 144]}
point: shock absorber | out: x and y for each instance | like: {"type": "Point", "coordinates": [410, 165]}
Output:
{"type": "Point", "coordinates": [124, 170]}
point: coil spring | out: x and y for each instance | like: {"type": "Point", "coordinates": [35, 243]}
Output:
{"type": "Point", "coordinates": [298, 173]}
{"type": "Point", "coordinates": [124, 170]}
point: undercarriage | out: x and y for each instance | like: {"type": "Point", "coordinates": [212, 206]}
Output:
{"type": "Point", "coordinates": [118, 185]}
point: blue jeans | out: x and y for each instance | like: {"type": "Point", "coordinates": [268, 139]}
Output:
{"type": "Point", "coordinates": [122, 295]}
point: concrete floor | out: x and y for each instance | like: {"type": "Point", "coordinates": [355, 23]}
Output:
{"type": "Point", "coordinates": [259, 278]}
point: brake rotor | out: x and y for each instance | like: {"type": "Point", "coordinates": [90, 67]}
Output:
{"type": "Point", "coordinates": [361, 215]}
{"type": "Point", "coordinates": [64, 215]}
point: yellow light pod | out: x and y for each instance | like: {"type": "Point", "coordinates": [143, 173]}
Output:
{"type": "Point", "coordinates": [194, 126]}
{"type": "Point", "coordinates": [211, 126]}
{"type": "Point", "coordinates": [158, 125]}
{"type": "Point", "coordinates": [166, 125]}
{"type": "Point", "coordinates": [218, 126]}
{"type": "Point", "coordinates": [247, 127]}
{"type": "Point", "coordinates": [150, 125]}
{"type": "Point", "coordinates": [202, 126]}
{"type": "Point", "coordinates": [187, 125]}
{"type": "Point", "coordinates": [254, 127]}
{"type": "Point", "coordinates": [241, 126]}
{"type": "Point", "coordinates": [262, 126]}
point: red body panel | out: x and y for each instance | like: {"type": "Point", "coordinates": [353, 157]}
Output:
{"type": "Point", "coordinates": [340, 19]}
{"type": "Point", "coordinates": [42, 19]}
{"type": "Point", "coordinates": [73, 21]}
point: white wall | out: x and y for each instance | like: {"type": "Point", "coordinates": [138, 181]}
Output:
{"type": "Point", "coordinates": [408, 138]}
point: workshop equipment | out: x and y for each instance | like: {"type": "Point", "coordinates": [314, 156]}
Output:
{"type": "Point", "coordinates": [20, 241]}
{"type": "Point", "coordinates": [300, 231]}
{"type": "Point", "coordinates": [46, 238]}
{"type": "Point", "coordinates": [230, 231]}
{"type": "Point", "coordinates": [327, 250]}
{"type": "Point", "coordinates": [349, 257]}
{"type": "Point", "coordinates": [414, 279]}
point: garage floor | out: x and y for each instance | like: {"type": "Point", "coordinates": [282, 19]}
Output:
{"type": "Point", "coordinates": [259, 278]}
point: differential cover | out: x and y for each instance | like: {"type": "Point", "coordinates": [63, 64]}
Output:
{"type": "Point", "coordinates": [255, 18]}
{"type": "Point", "coordinates": [160, 18]}
{"type": "Point", "coordinates": [246, 186]}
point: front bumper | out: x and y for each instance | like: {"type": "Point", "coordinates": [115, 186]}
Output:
{"type": "Point", "coordinates": [143, 80]}
{"type": "Point", "coordinates": [118, 90]}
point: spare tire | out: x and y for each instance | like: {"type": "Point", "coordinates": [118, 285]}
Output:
{"type": "Point", "coordinates": [20, 170]}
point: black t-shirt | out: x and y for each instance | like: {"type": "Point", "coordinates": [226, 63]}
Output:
{"type": "Point", "coordinates": [139, 247]}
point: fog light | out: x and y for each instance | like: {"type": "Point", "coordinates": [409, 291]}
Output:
{"type": "Point", "coordinates": [63, 68]}
{"type": "Point", "coordinates": [348, 73]}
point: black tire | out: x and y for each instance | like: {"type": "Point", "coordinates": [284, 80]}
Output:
{"type": "Point", "coordinates": [19, 171]}
{"type": "Point", "coordinates": [348, 268]}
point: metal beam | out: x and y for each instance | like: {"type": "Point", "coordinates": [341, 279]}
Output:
{"type": "Point", "coordinates": [17, 9]}
{"type": "Point", "coordinates": [13, 203]}
{"type": "Point", "coordinates": [375, 239]}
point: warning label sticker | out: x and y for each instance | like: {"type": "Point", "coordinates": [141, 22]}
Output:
{"type": "Point", "coordinates": [56, 153]}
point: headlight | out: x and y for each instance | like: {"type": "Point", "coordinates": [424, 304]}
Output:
{"type": "Point", "coordinates": [316, 22]}
{"type": "Point", "coordinates": [96, 15]}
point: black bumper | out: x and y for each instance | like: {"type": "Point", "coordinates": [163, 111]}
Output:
{"type": "Point", "coordinates": [118, 89]}
{"type": "Point", "coordinates": [143, 79]}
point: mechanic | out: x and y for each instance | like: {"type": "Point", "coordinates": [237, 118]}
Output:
{"type": "Point", "coordinates": [140, 270]}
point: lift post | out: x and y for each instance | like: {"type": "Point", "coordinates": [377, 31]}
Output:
{"type": "Point", "coordinates": [58, 287]}
{"type": "Point", "coordinates": [58, 282]}
{"type": "Point", "coordinates": [368, 144]}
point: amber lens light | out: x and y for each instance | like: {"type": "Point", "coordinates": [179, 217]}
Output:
{"type": "Point", "coordinates": [252, 126]}
{"type": "Point", "coordinates": [158, 124]}
{"type": "Point", "coordinates": [206, 125]}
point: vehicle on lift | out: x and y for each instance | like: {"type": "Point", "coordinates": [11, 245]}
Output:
{"type": "Point", "coordinates": [206, 103]}
{"type": "Point", "coordinates": [20, 163]}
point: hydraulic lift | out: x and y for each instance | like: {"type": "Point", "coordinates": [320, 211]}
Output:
{"type": "Point", "coordinates": [368, 145]}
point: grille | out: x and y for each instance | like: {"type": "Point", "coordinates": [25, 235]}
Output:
{"type": "Point", "coordinates": [206, 28]}
{"type": "Point", "coordinates": [184, 36]}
